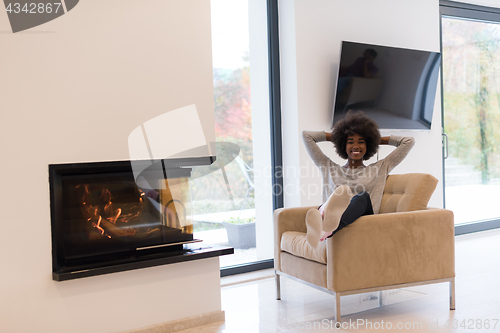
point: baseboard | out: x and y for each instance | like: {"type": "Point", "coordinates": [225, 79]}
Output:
{"type": "Point", "coordinates": [182, 324]}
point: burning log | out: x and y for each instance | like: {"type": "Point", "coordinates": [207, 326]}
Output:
{"type": "Point", "coordinates": [107, 217]}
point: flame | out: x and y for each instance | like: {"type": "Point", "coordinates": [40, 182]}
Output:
{"type": "Point", "coordinates": [98, 208]}
{"type": "Point", "coordinates": [98, 227]}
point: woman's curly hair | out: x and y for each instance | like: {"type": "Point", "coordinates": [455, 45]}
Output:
{"type": "Point", "coordinates": [356, 123]}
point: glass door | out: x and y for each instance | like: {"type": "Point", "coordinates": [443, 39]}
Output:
{"type": "Point", "coordinates": [471, 118]}
{"type": "Point", "coordinates": [232, 204]}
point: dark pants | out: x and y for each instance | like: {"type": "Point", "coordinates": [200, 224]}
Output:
{"type": "Point", "coordinates": [360, 205]}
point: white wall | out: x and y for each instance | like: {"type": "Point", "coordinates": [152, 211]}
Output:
{"type": "Point", "coordinates": [311, 32]}
{"type": "Point", "coordinates": [72, 90]}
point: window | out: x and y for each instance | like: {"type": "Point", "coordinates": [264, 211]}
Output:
{"type": "Point", "coordinates": [233, 205]}
{"type": "Point", "coordinates": [471, 113]}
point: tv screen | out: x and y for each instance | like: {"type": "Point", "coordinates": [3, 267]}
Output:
{"type": "Point", "coordinates": [396, 87]}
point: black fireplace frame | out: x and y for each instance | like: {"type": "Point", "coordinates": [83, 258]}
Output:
{"type": "Point", "coordinates": [154, 256]}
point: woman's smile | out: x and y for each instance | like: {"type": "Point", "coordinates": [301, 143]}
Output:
{"type": "Point", "coordinates": [355, 147]}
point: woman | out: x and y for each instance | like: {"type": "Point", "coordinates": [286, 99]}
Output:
{"type": "Point", "coordinates": [351, 190]}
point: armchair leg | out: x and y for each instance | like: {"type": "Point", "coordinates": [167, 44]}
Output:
{"type": "Point", "coordinates": [380, 298]}
{"type": "Point", "coordinates": [452, 294]}
{"type": "Point", "coordinates": [337, 309]}
{"type": "Point", "coordinates": [278, 286]}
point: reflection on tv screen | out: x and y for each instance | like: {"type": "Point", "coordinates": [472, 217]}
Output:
{"type": "Point", "coordinates": [396, 87]}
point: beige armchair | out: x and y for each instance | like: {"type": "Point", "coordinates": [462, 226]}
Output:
{"type": "Point", "coordinates": [407, 244]}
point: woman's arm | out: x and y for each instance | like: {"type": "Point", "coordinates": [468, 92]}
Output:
{"type": "Point", "coordinates": [403, 146]}
{"type": "Point", "coordinates": [384, 140]}
{"type": "Point", "coordinates": [311, 140]}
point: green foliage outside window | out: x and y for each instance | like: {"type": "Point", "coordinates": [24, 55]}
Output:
{"type": "Point", "coordinates": [233, 123]}
{"type": "Point", "coordinates": [471, 59]}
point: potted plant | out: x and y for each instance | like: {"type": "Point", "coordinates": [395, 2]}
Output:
{"type": "Point", "coordinates": [240, 232]}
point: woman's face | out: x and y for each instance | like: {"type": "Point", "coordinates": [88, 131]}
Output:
{"type": "Point", "coordinates": [355, 147]}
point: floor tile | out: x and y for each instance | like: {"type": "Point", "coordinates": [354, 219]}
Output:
{"type": "Point", "coordinates": [252, 306]}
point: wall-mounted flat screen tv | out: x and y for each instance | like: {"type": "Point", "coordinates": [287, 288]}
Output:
{"type": "Point", "coordinates": [396, 87]}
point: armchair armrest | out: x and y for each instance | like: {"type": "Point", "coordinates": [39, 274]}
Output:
{"type": "Point", "coordinates": [287, 219]}
{"type": "Point", "coordinates": [392, 248]}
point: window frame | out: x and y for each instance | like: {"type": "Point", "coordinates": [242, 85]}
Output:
{"type": "Point", "coordinates": [467, 12]}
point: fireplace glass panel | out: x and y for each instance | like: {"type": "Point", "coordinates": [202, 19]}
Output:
{"type": "Point", "coordinates": [107, 213]}
{"type": "Point", "coordinates": [115, 215]}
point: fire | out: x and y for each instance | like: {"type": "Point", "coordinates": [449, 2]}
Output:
{"type": "Point", "coordinates": [98, 227]}
{"type": "Point", "coordinates": [108, 218]}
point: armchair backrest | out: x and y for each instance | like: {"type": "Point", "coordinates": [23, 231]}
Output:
{"type": "Point", "coordinates": [407, 192]}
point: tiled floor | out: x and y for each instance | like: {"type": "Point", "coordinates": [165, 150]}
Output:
{"type": "Point", "coordinates": [252, 306]}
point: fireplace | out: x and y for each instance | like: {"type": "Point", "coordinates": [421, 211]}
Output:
{"type": "Point", "coordinates": [114, 216]}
